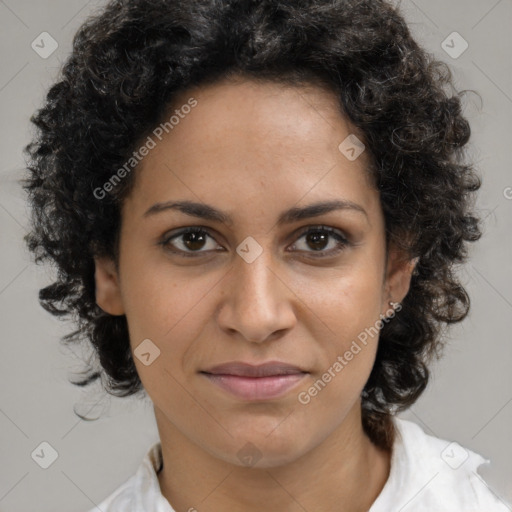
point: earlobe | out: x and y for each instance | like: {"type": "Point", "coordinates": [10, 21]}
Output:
{"type": "Point", "coordinates": [398, 275]}
{"type": "Point", "coordinates": [108, 293]}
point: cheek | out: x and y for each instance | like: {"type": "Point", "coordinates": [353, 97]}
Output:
{"type": "Point", "coordinates": [351, 343]}
{"type": "Point", "coordinates": [160, 298]}
{"type": "Point", "coordinates": [351, 312]}
{"type": "Point", "coordinates": [345, 325]}
{"type": "Point", "coordinates": [170, 308]}
{"type": "Point", "coordinates": [344, 301]}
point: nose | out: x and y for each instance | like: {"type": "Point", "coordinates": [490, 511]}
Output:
{"type": "Point", "coordinates": [257, 303]}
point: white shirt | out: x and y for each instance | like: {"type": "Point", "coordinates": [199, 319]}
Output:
{"type": "Point", "coordinates": [427, 474]}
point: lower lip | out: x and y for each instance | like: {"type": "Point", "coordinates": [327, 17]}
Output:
{"type": "Point", "coordinates": [256, 388]}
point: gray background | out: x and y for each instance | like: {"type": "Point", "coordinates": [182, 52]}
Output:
{"type": "Point", "coordinates": [470, 397]}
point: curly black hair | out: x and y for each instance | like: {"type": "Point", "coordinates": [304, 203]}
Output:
{"type": "Point", "coordinates": [130, 61]}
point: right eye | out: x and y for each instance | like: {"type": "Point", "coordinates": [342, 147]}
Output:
{"type": "Point", "coordinates": [191, 240]}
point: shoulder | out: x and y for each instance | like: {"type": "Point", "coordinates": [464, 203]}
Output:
{"type": "Point", "coordinates": [120, 499]}
{"type": "Point", "coordinates": [141, 491]}
{"type": "Point", "coordinates": [433, 474]}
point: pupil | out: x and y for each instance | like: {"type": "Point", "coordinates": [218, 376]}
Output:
{"type": "Point", "coordinates": [194, 240]}
{"type": "Point", "coordinates": [316, 238]}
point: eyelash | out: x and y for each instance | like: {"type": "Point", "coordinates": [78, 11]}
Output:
{"type": "Point", "coordinates": [342, 242]}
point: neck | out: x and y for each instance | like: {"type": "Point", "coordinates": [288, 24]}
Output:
{"type": "Point", "coordinates": [345, 472]}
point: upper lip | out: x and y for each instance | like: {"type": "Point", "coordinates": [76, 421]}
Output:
{"type": "Point", "coordinates": [242, 369]}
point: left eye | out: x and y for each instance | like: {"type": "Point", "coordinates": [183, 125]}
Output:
{"type": "Point", "coordinates": [193, 239]}
{"type": "Point", "coordinates": [318, 237]}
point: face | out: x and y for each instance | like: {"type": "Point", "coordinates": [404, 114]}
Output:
{"type": "Point", "coordinates": [254, 286]}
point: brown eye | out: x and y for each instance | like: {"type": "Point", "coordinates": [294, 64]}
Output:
{"type": "Point", "coordinates": [189, 241]}
{"type": "Point", "coordinates": [194, 241]}
{"type": "Point", "coordinates": [317, 240]}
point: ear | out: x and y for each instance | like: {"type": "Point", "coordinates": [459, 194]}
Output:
{"type": "Point", "coordinates": [108, 293]}
{"type": "Point", "coordinates": [398, 276]}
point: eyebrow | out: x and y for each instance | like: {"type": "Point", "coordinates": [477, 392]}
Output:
{"type": "Point", "coordinates": [205, 211]}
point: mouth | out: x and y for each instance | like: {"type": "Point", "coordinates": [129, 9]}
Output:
{"type": "Point", "coordinates": [255, 382]}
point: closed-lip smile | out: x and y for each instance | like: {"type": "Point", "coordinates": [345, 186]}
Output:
{"type": "Point", "coordinates": [265, 381]}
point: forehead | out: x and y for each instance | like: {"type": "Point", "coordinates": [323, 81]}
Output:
{"type": "Point", "coordinates": [250, 142]}
{"type": "Point", "coordinates": [233, 114]}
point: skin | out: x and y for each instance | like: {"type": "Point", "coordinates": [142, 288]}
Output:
{"type": "Point", "coordinates": [253, 151]}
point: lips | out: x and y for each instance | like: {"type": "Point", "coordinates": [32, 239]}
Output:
{"type": "Point", "coordinates": [268, 369]}
{"type": "Point", "coordinates": [266, 381]}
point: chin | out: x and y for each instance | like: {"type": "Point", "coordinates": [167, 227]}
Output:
{"type": "Point", "coordinates": [266, 448]}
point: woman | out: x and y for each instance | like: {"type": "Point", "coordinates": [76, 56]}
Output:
{"type": "Point", "coordinates": [256, 208]}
